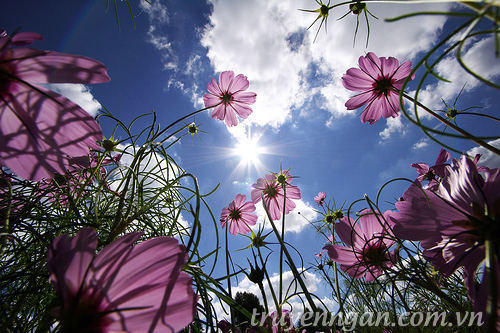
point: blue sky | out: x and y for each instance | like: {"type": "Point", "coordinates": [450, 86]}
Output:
{"type": "Point", "coordinates": [299, 119]}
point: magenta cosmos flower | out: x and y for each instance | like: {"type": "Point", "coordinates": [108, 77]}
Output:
{"type": "Point", "coordinates": [432, 174]}
{"type": "Point", "coordinates": [379, 81]}
{"type": "Point", "coordinates": [278, 193]}
{"type": "Point", "coordinates": [238, 215]}
{"type": "Point", "coordinates": [124, 288]}
{"type": "Point", "coordinates": [453, 222]}
{"type": "Point", "coordinates": [229, 98]}
{"type": "Point", "coordinates": [41, 131]}
{"type": "Point", "coordinates": [367, 251]}
{"type": "Point", "coordinates": [320, 198]}
{"type": "Point", "coordinates": [285, 321]}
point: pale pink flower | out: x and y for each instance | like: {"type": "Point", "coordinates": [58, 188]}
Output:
{"type": "Point", "coordinates": [453, 221]}
{"type": "Point", "coordinates": [367, 252]}
{"type": "Point", "coordinates": [239, 215]}
{"type": "Point", "coordinates": [229, 98]}
{"type": "Point", "coordinates": [432, 174]}
{"type": "Point", "coordinates": [331, 238]}
{"type": "Point", "coordinates": [278, 193]}
{"type": "Point", "coordinates": [320, 254]}
{"type": "Point", "coordinates": [124, 288]}
{"type": "Point", "coordinates": [320, 198]}
{"type": "Point", "coordinates": [379, 81]}
{"type": "Point", "coordinates": [40, 131]}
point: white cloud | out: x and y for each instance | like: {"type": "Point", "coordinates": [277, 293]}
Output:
{"type": "Point", "coordinates": [267, 41]}
{"type": "Point", "coordinates": [78, 93]}
{"type": "Point", "coordinates": [422, 143]}
{"type": "Point", "coordinates": [394, 125]}
{"type": "Point", "coordinates": [311, 281]}
{"type": "Point", "coordinates": [152, 174]}
{"type": "Point", "coordinates": [295, 221]}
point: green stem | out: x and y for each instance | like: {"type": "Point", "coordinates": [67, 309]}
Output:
{"type": "Point", "coordinates": [336, 273]}
{"type": "Point", "coordinates": [268, 319]}
{"type": "Point", "coordinates": [291, 263]}
{"type": "Point", "coordinates": [337, 290]}
{"type": "Point", "coordinates": [268, 279]}
{"type": "Point", "coordinates": [229, 282]}
{"type": "Point", "coordinates": [480, 7]}
{"type": "Point", "coordinates": [492, 300]}
{"type": "Point", "coordinates": [4, 229]}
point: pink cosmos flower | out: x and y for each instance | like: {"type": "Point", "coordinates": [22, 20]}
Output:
{"type": "Point", "coordinates": [239, 215]}
{"type": "Point", "coordinates": [320, 198]}
{"type": "Point", "coordinates": [123, 288]}
{"type": "Point", "coordinates": [453, 221]}
{"type": "Point", "coordinates": [367, 251]}
{"type": "Point", "coordinates": [435, 173]}
{"type": "Point", "coordinates": [229, 98]}
{"type": "Point", "coordinates": [320, 254]}
{"type": "Point", "coordinates": [224, 326]}
{"type": "Point", "coordinates": [331, 238]}
{"type": "Point", "coordinates": [41, 130]}
{"type": "Point", "coordinates": [379, 81]}
{"type": "Point", "coordinates": [285, 322]}
{"type": "Point", "coordinates": [274, 187]}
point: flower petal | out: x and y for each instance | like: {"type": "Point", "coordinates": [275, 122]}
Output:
{"type": "Point", "coordinates": [357, 80]}
{"type": "Point", "coordinates": [213, 88]}
{"type": "Point", "coordinates": [359, 100]}
{"type": "Point", "coordinates": [371, 65]}
{"type": "Point", "coordinates": [68, 260]}
{"type": "Point", "coordinates": [211, 100]}
{"type": "Point", "coordinates": [41, 130]}
{"type": "Point", "coordinates": [241, 109]}
{"type": "Point", "coordinates": [25, 38]}
{"type": "Point", "coordinates": [225, 79]}
{"type": "Point", "coordinates": [245, 97]}
{"type": "Point", "coordinates": [54, 67]}
{"type": "Point", "coordinates": [239, 83]}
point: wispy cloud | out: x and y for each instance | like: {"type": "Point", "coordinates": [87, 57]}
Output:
{"type": "Point", "coordinates": [156, 11]}
{"type": "Point", "coordinates": [159, 18]}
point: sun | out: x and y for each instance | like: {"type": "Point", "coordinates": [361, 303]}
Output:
{"type": "Point", "coordinates": [249, 150]}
